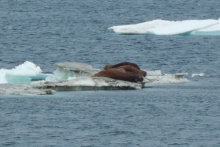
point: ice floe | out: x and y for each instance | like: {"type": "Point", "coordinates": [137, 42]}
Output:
{"type": "Point", "coordinates": [198, 74]}
{"type": "Point", "coordinates": [71, 70]}
{"type": "Point", "coordinates": [165, 27]}
{"type": "Point", "coordinates": [23, 89]}
{"type": "Point", "coordinates": [28, 79]}
{"type": "Point", "coordinates": [21, 74]}
{"type": "Point", "coordinates": [87, 83]}
{"type": "Point", "coordinates": [157, 77]}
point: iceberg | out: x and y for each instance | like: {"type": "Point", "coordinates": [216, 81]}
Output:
{"type": "Point", "coordinates": [165, 27]}
{"type": "Point", "coordinates": [23, 73]}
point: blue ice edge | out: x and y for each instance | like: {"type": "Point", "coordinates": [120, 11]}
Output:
{"type": "Point", "coordinates": [24, 79]}
{"type": "Point", "coordinates": [192, 33]}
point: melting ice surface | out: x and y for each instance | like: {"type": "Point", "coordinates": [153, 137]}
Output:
{"type": "Point", "coordinates": [71, 70]}
{"type": "Point", "coordinates": [24, 73]}
{"type": "Point", "coordinates": [157, 77]}
{"type": "Point", "coordinates": [165, 27]}
{"type": "Point", "coordinates": [71, 76]}
{"type": "Point", "coordinates": [29, 72]}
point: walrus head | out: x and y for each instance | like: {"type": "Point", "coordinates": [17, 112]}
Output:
{"type": "Point", "coordinates": [139, 78]}
{"type": "Point", "coordinates": [108, 67]}
{"type": "Point", "coordinates": [144, 73]}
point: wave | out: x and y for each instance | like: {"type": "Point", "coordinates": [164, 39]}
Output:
{"type": "Point", "coordinates": [165, 27]}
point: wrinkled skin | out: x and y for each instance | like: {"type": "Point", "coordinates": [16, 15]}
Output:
{"type": "Point", "coordinates": [120, 74]}
{"type": "Point", "coordinates": [131, 67]}
{"type": "Point", "coordinates": [125, 71]}
{"type": "Point", "coordinates": [133, 70]}
{"type": "Point", "coordinates": [121, 64]}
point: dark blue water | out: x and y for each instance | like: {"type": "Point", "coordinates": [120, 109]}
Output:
{"type": "Point", "coordinates": [46, 32]}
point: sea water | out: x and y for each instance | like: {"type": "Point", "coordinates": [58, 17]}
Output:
{"type": "Point", "coordinates": [46, 32]}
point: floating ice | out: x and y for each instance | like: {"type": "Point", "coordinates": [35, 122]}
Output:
{"type": "Point", "coordinates": [72, 76]}
{"type": "Point", "coordinates": [75, 71]}
{"type": "Point", "coordinates": [198, 74]}
{"type": "Point", "coordinates": [23, 89]}
{"type": "Point", "coordinates": [165, 27]}
{"type": "Point", "coordinates": [82, 71]}
{"type": "Point", "coordinates": [213, 30]}
{"type": "Point", "coordinates": [157, 77]}
{"type": "Point", "coordinates": [21, 74]}
{"type": "Point", "coordinates": [87, 83]}
{"type": "Point", "coordinates": [141, 28]}
{"type": "Point", "coordinates": [71, 70]}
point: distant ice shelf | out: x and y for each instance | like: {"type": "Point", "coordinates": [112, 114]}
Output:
{"type": "Point", "coordinates": [166, 27]}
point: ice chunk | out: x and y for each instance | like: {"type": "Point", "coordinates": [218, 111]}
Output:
{"type": "Point", "coordinates": [87, 83]}
{"type": "Point", "coordinates": [165, 27]}
{"type": "Point", "coordinates": [71, 70]}
{"type": "Point", "coordinates": [198, 74]}
{"type": "Point", "coordinates": [154, 73]}
{"type": "Point", "coordinates": [18, 79]}
{"type": "Point", "coordinates": [157, 77]}
{"type": "Point", "coordinates": [140, 28]}
{"type": "Point", "coordinates": [19, 74]}
{"type": "Point", "coordinates": [212, 30]}
{"type": "Point", "coordinates": [23, 89]}
{"type": "Point", "coordinates": [180, 27]}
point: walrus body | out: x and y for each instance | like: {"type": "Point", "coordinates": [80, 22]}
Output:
{"type": "Point", "coordinates": [121, 64]}
{"type": "Point", "coordinates": [125, 71]}
{"type": "Point", "coordinates": [120, 74]}
{"type": "Point", "coordinates": [133, 70]}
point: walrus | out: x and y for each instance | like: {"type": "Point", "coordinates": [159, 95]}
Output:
{"type": "Point", "coordinates": [131, 67]}
{"type": "Point", "coordinates": [121, 64]}
{"type": "Point", "coordinates": [120, 74]}
{"type": "Point", "coordinates": [133, 70]}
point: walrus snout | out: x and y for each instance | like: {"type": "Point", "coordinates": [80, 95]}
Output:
{"type": "Point", "coordinates": [108, 67]}
{"type": "Point", "coordinates": [139, 78]}
{"type": "Point", "coordinates": [144, 73]}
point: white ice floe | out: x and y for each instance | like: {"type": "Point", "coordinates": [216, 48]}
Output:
{"type": "Point", "coordinates": [87, 83]}
{"type": "Point", "coordinates": [165, 27]}
{"type": "Point", "coordinates": [157, 77]}
{"type": "Point", "coordinates": [212, 30]}
{"type": "Point", "coordinates": [71, 70]}
{"type": "Point", "coordinates": [140, 28]}
{"type": "Point", "coordinates": [80, 73]}
{"type": "Point", "coordinates": [72, 76]}
{"type": "Point", "coordinates": [23, 89]}
{"type": "Point", "coordinates": [198, 74]}
{"type": "Point", "coordinates": [20, 74]}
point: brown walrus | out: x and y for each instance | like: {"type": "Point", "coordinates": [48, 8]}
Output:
{"type": "Point", "coordinates": [120, 74]}
{"type": "Point", "coordinates": [133, 70]}
{"type": "Point", "coordinates": [121, 64]}
{"type": "Point", "coordinates": [131, 67]}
